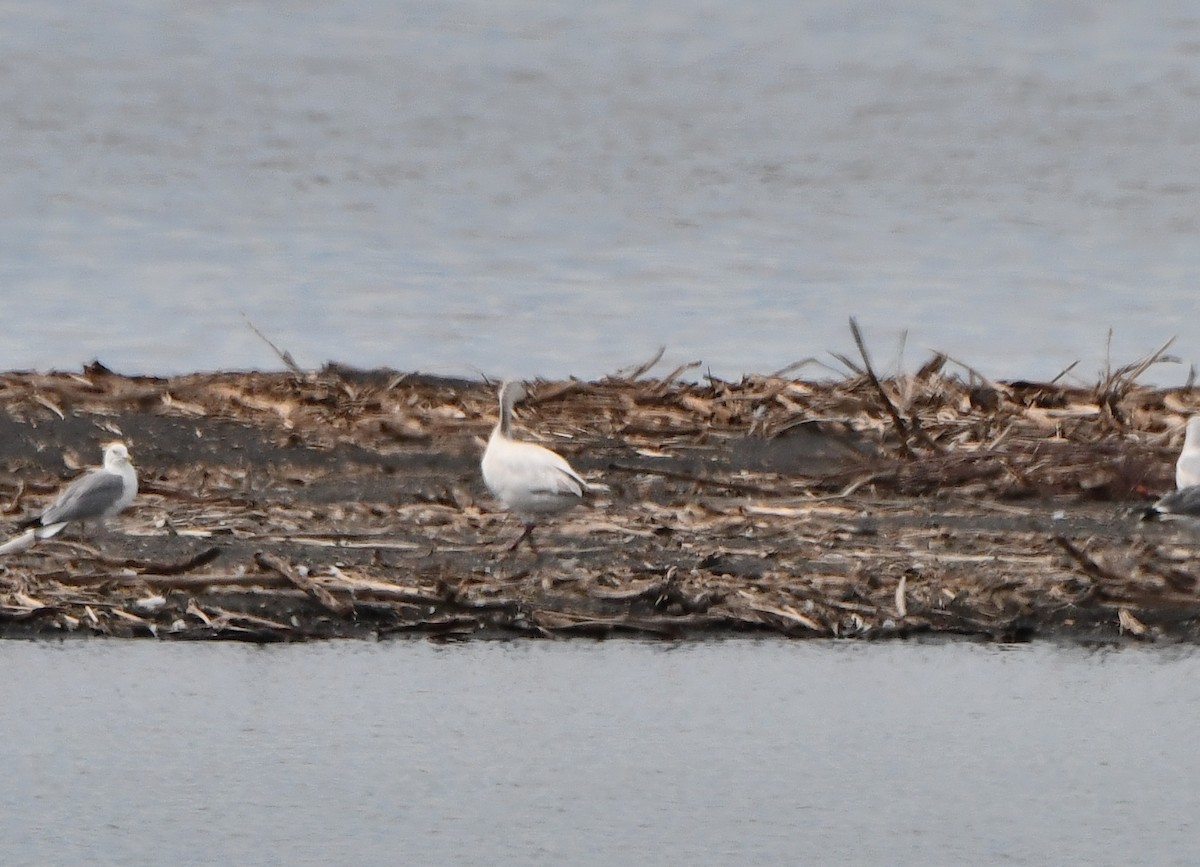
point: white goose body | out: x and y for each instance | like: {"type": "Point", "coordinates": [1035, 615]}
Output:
{"type": "Point", "coordinates": [1187, 468]}
{"type": "Point", "coordinates": [530, 480]}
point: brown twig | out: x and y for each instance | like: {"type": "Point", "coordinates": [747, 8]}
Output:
{"type": "Point", "coordinates": [1090, 567]}
{"type": "Point", "coordinates": [178, 568]}
{"type": "Point", "coordinates": [739, 487]}
{"type": "Point", "coordinates": [275, 564]}
{"type": "Point", "coordinates": [897, 419]}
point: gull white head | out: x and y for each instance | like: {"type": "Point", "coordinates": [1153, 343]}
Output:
{"type": "Point", "coordinates": [116, 456]}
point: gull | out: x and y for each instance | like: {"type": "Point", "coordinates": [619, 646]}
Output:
{"type": "Point", "coordinates": [1187, 468]}
{"type": "Point", "coordinates": [1180, 504]}
{"type": "Point", "coordinates": [98, 494]}
{"type": "Point", "coordinates": [530, 480]}
{"type": "Point", "coordinates": [1184, 501]}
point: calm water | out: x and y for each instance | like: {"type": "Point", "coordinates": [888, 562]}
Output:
{"type": "Point", "coordinates": [528, 188]}
{"type": "Point", "coordinates": [532, 188]}
{"type": "Point", "coordinates": [596, 754]}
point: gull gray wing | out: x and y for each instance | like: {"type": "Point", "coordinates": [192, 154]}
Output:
{"type": "Point", "coordinates": [88, 497]}
{"type": "Point", "coordinates": [1184, 503]}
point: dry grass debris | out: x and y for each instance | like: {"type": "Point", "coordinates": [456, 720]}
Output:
{"type": "Point", "coordinates": [287, 506]}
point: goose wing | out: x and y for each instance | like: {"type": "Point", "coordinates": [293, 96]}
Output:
{"type": "Point", "coordinates": [544, 471]}
{"type": "Point", "coordinates": [518, 469]}
{"type": "Point", "coordinates": [567, 481]}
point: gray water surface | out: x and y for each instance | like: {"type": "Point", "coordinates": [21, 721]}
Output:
{"type": "Point", "coordinates": [552, 189]}
{"type": "Point", "coordinates": [738, 752]}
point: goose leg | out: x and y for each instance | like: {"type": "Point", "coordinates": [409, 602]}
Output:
{"type": "Point", "coordinates": [526, 535]}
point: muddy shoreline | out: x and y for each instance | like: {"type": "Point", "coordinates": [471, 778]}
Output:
{"type": "Point", "coordinates": [347, 503]}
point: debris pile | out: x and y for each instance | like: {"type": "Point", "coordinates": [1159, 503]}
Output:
{"type": "Point", "coordinates": [289, 506]}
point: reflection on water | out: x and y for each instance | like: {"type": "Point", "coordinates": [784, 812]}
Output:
{"type": "Point", "coordinates": [597, 753]}
{"type": "Point", "coordinates": [534, 189]}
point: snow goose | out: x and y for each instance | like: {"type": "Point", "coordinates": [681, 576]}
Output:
{"type": "Point", "coordinates": [530, 480]}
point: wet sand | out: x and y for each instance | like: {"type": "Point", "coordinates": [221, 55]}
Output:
{"type": "Point", "coordinates": [289, 506]}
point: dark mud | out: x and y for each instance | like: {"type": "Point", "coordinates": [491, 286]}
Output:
{"type": "Point", "coordinates": [278, 507]}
